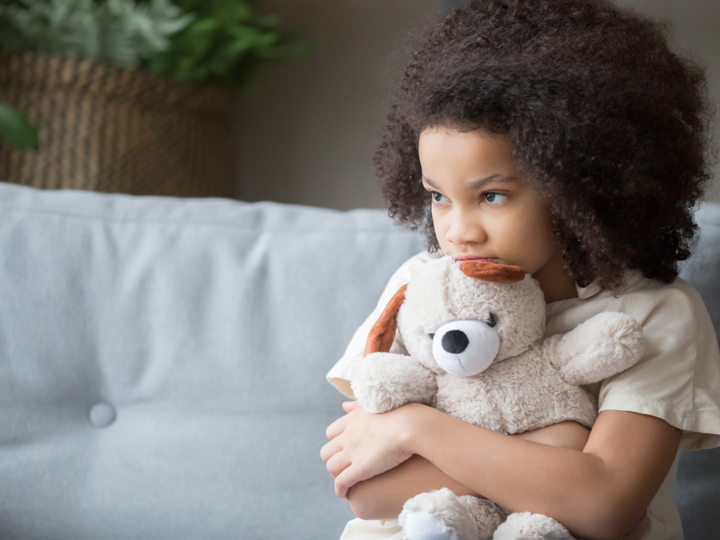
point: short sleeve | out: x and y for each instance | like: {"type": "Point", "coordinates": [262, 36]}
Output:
{"type": "Point", "coordinates": [678, 377]}
{"type": "Point", "coordinates": [341, 373]}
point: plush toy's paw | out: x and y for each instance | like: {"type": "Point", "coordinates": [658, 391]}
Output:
{"type": "Point", "coordinates": [437, 514]}
{"type": "Point", "coordinates": [606, 344]}
{"type": "Point", "coordinates": [487, 515]}
{"type": "Point", "coordinates": [424, 526]}
{"type": "Point", "coordinates": [382, 382]}
{"type": "Point", "coordinates": [620, 337]}
{"type": "Point", "coordinates": [527, 526]}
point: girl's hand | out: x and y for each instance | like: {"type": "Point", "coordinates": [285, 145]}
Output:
{"type": "Point", "coordinates": [363, 445]}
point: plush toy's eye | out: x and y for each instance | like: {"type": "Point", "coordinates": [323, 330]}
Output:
{"type": "Point", "coordinates": [491, 320]}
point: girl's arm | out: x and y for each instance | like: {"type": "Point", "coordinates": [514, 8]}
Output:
{"type": "Point", "coordinates": [598, 493]}
{"type": "Point", "coordinates": [383, 496]}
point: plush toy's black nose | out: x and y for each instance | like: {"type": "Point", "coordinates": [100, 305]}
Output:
{"type": "Point", "coordinates": [455, 341]}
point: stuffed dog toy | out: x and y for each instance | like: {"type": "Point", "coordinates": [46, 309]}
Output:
{"type": "Point", "coordinates": [474, 336]}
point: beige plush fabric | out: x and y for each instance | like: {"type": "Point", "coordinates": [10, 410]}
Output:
{"type": "Point", "coordinates": [676, 379]}
{"type": "Point", "coordinates": [529, 384]}
{"type": "Point", "coordinates": [476, 352]}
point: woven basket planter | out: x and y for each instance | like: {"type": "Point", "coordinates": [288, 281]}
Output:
{"type": "Point", "coordinates": [110, 129]}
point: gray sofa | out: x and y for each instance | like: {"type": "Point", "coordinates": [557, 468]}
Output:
{"type": "Point", "coordinates": [162, 364]}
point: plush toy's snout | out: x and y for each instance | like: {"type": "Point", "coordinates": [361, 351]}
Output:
{"type": "Point", "coordinates": [465, 348]}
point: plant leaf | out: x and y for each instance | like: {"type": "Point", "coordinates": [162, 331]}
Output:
{"type": "Point", "coordinates": [218, 41]}
{"type": "Point", "coordinates": [15, 128]}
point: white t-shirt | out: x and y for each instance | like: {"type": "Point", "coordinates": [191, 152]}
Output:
{"type": "Point", "coordinates": [677, 379]}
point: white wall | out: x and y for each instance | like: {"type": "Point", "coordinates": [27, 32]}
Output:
{"type": "Point", "coordinates": [308, 130]}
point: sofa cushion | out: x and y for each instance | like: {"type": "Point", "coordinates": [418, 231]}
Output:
{"type": "Point", "coordinates": [162, 362]}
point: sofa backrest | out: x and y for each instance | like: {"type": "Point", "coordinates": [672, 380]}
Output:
{"type": "Point", "coordinates": [162, 363]}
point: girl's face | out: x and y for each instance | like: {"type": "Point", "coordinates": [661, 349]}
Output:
{"type": "Point", "coordinates": [482, 209]}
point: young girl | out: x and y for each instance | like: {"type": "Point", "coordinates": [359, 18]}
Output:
{"type": "Point", "coordinates": [564, 137]}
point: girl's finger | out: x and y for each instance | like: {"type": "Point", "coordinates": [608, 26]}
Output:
{"type": "Point", "coordinates": [338, 463]}
{"type": "Point", "coordinates": [330, 449]}
{"type": "Point", "coordinates": [336, 428]}
{"type": "Point", "coordinates": [349, 406]}
{"type": "Point", "coordinates": [347, 479]}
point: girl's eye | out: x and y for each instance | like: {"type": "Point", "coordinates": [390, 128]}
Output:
{"type": "Point", "coordinates": [494, 198]}
{"type": "Point", "coordinates": [438, 197]}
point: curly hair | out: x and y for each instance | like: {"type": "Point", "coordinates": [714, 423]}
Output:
{"type": "Point", "coordinates": [607, 123]}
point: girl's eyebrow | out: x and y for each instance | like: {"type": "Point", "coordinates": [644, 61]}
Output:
{"type": "Point", "coordinates": [477, 184]}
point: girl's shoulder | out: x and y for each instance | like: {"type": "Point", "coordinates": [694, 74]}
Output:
{"type": "Point", "coordinates": [677, 375]}
{"type": "Point", "coordinates": [678, 303]}
{"type": "Point", "coordinates": [652, 297]}
{"type": "Point", "coordinates": [673, 315]}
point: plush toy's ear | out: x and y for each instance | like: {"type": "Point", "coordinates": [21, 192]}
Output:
{"type": "Point", "coordinates": [382, 334]}
{"type": "Point", "coordinates": [497, 273]}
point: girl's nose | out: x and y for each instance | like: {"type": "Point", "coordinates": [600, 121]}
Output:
{"type": "Point", "coordinates": [464, 229]}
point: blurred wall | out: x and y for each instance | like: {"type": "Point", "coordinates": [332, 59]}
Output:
{"type": "Point", "coordinates": [308, 130]}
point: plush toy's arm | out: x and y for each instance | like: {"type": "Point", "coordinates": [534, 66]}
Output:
{"type": "Point", "coordinates": [385, 381]}
{"type": "Point", "coordinates": [603, 345]}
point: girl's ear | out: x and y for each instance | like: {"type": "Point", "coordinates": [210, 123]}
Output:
{"type": "Point", "coordinates": [382, 334]}
{"type": "Point", "coordinates": [496, 273]}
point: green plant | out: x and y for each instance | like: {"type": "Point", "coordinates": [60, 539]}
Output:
{"type": "Point", "coordinates": [123, 32]}
{"type": "Point", "coordinates": [218, 41]}
{"type": "Point", "coordinates": [215, 41]}
{"type": "Point", "coordinates": [16, 129]}
{"type": "Point", "coordinates": [226, 42]}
